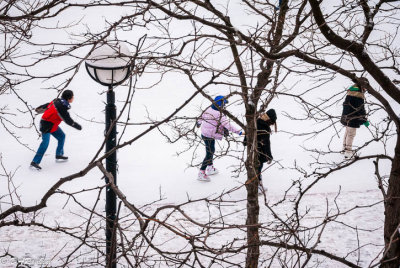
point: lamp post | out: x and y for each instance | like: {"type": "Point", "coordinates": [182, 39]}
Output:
{"type": "Point", "coordinates": [109, 65]}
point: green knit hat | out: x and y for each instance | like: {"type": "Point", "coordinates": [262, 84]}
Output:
{"type": "Point", "coordinates": [354, 88]}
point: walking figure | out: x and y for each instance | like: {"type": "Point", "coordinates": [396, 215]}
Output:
{"type": "Point", "coordinates": [264, 123]}
{"type": "Point", "coordinates": [353, 117]}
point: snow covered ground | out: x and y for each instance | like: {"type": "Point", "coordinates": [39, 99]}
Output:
{"type": "Point", "coordinates": [356, 236]}
{"type": "Point", "coordinates": [151, 170]}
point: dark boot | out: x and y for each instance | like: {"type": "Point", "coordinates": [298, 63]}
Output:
{"type": "Point", "coordinates": [35, 165]}
{"type": "Point", "coordinates": [61, 157]}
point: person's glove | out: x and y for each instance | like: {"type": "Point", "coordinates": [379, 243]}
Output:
{"type": "Point", "coordinates": [226, 132]}
{"type": "Point", "coordinates": [242, 133]}
{"type": "Point", "coordinates": [198, 124]}
{"type": "Point", "coordinates": [366, 123]}
{"type": "Point", "coordinates": [77, 126]}
{"type": "Point", "coordinates": [269, 161]}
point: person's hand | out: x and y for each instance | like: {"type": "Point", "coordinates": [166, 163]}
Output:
{"type": "Point", "coordinates": [242, 133]}
{"type": "Point", "coordinates": [269, 161]}
{"type": "Point", "coordinates": [366, 123]}
{"type": "Point", "coordinates": [77, 126]}
{"type": "Point", "coordinates": [198, 124]}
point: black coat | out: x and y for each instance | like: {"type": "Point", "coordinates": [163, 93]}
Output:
{"type": "Point", "coordinates": [354, 114]}
{"type": "Point", "coordinates": [263, 141]}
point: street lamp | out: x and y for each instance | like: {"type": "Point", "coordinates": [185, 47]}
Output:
{"type": "Point", "coordinates": [109, 65]}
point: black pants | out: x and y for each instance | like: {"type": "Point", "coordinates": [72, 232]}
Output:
{"type": "Point", "coordinates": [259, 170]}
{"type": "Point", "coordinates": [210, 150]}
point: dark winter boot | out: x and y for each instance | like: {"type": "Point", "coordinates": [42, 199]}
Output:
{"type": "Point", "coordinates": [61, 157]}
{"type": "Point", "coordinates": [35, 165]}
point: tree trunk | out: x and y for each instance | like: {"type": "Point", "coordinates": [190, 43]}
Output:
{"type": "Point", "coordinates": [392, 214]}
{"type": "Point", "coordinates": [253, 239]}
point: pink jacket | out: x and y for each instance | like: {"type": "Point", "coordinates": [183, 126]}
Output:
{"type": "Point", "coordinates": [213, 123]}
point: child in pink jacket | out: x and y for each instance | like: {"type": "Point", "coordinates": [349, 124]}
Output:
{"type": "Point", "coordinates": [213, 125]}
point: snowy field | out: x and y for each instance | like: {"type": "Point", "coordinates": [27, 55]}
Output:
{"type": "Point", "coordinates": [150, 170]}
{"type": "Point", "coordinates": [152, 174]}
{"type": "Point", "coordinates": [347, 234]}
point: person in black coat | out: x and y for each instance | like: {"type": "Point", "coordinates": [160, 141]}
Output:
{"type": "Point", "coordinates": [263, 137]}
{"type": "Point", "coordinates": [353, 116]}
{"type": "Point", "coordinates": [264, 123]}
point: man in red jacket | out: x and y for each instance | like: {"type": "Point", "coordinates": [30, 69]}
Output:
{"type": "Point", "coordinates": [55, 112]}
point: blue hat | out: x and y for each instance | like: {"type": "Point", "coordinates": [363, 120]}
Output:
{"type": "Point", "coordinates": [219, 99]}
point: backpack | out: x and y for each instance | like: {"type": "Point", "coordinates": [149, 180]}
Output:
{"type": "Point", "coordinates": [42, 108]}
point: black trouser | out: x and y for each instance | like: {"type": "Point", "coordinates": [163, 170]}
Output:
{"type": "Point", "coordinates": [210, 150]}
{"type": "Point", "coordinates": [259, 170]}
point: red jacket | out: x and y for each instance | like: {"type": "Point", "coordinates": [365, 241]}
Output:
{"type": "Point", "coordinates": [51, 115]}
{"type": "Point", "coordinates": [56, 111]}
